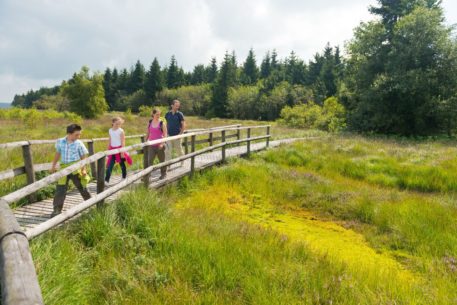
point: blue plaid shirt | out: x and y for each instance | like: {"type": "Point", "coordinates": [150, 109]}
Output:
{"type": "Point", "coordinates": [70, 152]}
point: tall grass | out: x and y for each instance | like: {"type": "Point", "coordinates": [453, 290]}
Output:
{"type": "Point", "coordinates": [275, 229]}
{"type": "Point", "coordinates": [423, 166]}
{"type": "Point", "coordinates": [141, 251]}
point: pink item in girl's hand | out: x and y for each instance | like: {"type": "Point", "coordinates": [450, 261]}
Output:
{"type": "Point", "coordinates": [118, 156]}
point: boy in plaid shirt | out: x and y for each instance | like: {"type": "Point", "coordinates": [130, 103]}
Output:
{"type": "Point", "coordinates": [69, 150]}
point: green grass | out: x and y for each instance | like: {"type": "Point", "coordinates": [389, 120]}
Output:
{"type": "Point", "coordinates": [284, 227]}
{"type": "Point", "coordinates": [141, 251]}
{"type": "Point", "coordinates": [422, 166]}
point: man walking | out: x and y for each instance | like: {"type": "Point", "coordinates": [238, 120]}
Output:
{"type": "Point", "coordinates": [70, 150]}
{"type": "Point", "coordinates": [176, 125]}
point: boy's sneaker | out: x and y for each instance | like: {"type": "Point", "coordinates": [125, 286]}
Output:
{"type": "Point", "coordinates": [107, 184]}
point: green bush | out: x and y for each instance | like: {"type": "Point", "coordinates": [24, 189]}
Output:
{"type": "Point", "coordinates": [242, 102]}
{"type": "Point", "coordinates": [195, 100]}
{"type": "Point", "coordinates": [135, 100]}
{"type": "Point", "coordinates": [32, 116]}
{"type": "Point", "coordinates": [257, 103]}
{"type": "Point", "coordinates": [329, 117]}
{"type": "Point", "coordinates": [56, 102]}
{"type": "Point", "coordinates": [146, 111]}
{"type": "Point", "coordinates": [73, 117]}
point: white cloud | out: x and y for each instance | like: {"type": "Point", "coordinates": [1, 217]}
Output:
{"type": "Point", "coordinates": [43, 42]}
{"type": "Point", "coordinates": [11, 84]}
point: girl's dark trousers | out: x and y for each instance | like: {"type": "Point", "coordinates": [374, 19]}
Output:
{"type": "Point", "coordinates": [111, 166]}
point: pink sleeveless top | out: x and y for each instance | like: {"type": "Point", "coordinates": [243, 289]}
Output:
{"type": "Point", "coordinates": [155, 133]}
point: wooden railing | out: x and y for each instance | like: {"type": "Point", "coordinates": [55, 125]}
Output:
{"type": "Point", "coordinates": [30, 169]}
{"type": "Point", "coordinates": [17, 273]}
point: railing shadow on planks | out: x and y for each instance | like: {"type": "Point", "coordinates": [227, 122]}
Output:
{"type": "Point", "coordinates": [18, 279]}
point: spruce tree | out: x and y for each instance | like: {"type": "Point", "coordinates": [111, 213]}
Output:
{"type": "Point", "coordinates": [225, 80]}
{"type": "Point", "coordinates": [173, 74]}
{"type": "Point", "coordinates": [154, 80]}
{"type": "Point", "coordinates": [265, 67]}
{"type": "Point", "coordinates": [198, 76]}
{"type": "Point", "coordinates": [137, 78]}
{"type": "Point", "coordinates": [250, 71]}
{"type": "Point", "coordinates": [211, 71]}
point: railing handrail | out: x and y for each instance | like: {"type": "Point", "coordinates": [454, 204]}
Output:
{"type": "Point", "coordinates": [40, 142]}
{"type": "Point", "coordinates": [13, 172]}
{"type": "Point", "coordinates": [32, 188]}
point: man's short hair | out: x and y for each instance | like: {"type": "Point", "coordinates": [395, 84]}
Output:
{"type": "Point", "coordinates": [72, 128]}
{"type": "Point", "coordinates": [174, 102]}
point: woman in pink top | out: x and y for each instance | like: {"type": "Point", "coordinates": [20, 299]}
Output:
{"type": "Point", "coordinates": [157, 130]}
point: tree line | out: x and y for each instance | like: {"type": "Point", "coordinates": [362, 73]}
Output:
{"type": "Point", "coordinates": [212, 84]}
{"type": "Point", "coordinates": [398, 75]}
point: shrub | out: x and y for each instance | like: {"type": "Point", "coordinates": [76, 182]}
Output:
{"type": "Point", "coordinates": [136, 100]}
{"type": "Point", "coordinates": [195, 100]}
{"type": "Point", "coordinates": [145, 111]}
{"type": "Point", "coordinates": [257, 103]}
{"type": "Point", "coordinates": [242, 102]}
{"type": "Point", "coordinates": [329, 117]}
{"type": "Point", "coordinates": [56, 102]}
{"type": "Point", "coordinates": [73, 117]}
{"type": "Point", "coordinates": [31, 116]}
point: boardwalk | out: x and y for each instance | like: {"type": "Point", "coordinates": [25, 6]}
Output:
{"type": "Point", "coordinates": [31, 215]}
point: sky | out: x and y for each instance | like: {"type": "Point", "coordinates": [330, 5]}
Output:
{"type": "Point", "coordinates": [43, 42]}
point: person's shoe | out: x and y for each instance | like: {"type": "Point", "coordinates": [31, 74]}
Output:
{"type": "Point", "coordinates": [56, 212]}
{"type": "Point", "coordinates": [107, 184]}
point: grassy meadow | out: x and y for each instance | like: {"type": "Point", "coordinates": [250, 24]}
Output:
{"type": "Point", "coordinates": [335, 220]}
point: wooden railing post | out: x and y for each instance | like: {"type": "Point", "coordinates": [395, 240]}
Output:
{"type": "Point", "coordinates": [28, 165]}
{"type": "Point", "coordinates": [238, 134]}
{"type": "Point", "coordinates": [210, 139]}
{"type": "Point", "coordinates": [143, 139]}
{"type": "Point", "coordinates": [268, 133]}
{"type": "Point", "coordinates": [248, 143]}
{"type": "Point", "coordinates": [146, 163]}
{"type": "Point", "coordinates": [101, 177]}
{"type": "Point", "coordinates": [186, 145]}
{"type": "Point", "coordinates": [223, 147]}
{"type": "Point", "coordinates": [93, 169]}
{"type": "Point", "coordinates": [192, 159]}
{"type": "Point", "coordinates": [18, 279]}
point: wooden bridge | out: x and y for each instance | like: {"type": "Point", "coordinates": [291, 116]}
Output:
{"type": "Point", "coordinates": [19, 284]}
